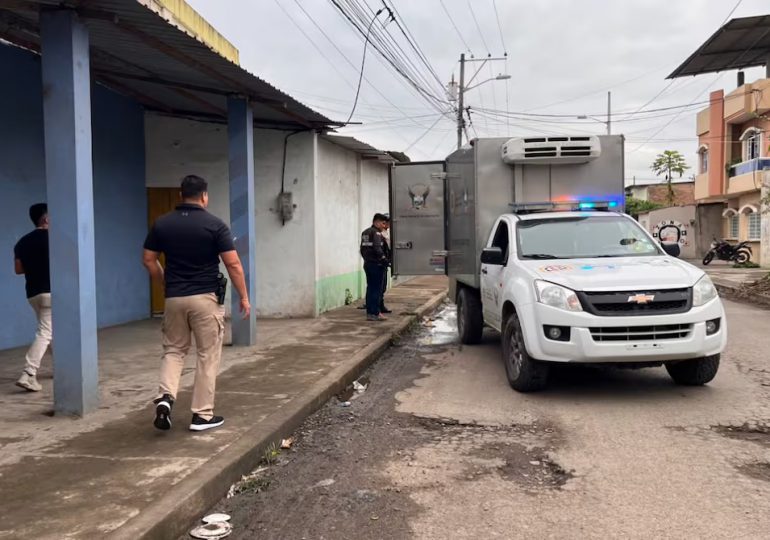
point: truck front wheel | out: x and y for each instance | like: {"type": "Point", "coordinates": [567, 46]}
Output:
{"type": "Point", "coordinates": [470, 319]}
{"type": "Point", "coordinates": [695, 372]}
{"type": "Point", "coordinates": [524, 373]}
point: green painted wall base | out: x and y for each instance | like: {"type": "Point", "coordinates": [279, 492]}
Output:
{"type": "Point", "coordinates": [332, 292]}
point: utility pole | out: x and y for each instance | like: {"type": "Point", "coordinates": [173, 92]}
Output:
{"type": "Point", "coordinates": [460, 92]}
{"type": "Point", "coordinates": [609, 112]}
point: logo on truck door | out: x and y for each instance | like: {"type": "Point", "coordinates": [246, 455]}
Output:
{"type": "Point", "coordinates": [418, 193]}
{"type": "Point", "coordinates": [641, 298]}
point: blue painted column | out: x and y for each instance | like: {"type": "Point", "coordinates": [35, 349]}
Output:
{"type": "Point", "coordinates": [240, 137]}
{"type": "Point", "coordinates": [69, 182]}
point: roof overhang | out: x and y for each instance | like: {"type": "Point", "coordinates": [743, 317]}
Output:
{"type": "Point", "coordinates": [364, 150]}
{"type": "Point", "coordinates": [145, 53]}
{"type": "Point", "coordinates": [739, 44]}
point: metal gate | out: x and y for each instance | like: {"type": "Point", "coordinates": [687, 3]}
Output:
{"type": "Point", "coordinates": [418, 222]}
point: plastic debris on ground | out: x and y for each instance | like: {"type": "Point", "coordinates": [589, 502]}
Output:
{"type": "Point", "coordinates": [233, 491]}
{"type": "Point", "coordinates": [286, 443]}
{"type": "Point", "coordinates": [212, 531]}
{"type": "Point", "coordinates": [216, 518]}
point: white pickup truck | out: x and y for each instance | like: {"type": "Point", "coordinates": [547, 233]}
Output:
{"type": "Point", "coordinates": [568, 280]}
{"type": "Point", "coordinates": [591, 287]}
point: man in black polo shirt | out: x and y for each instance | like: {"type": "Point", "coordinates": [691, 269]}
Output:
{"type": "Point", "coordinates": [31, 259]}
{"type": "Point", "coordinates": [193, 241]}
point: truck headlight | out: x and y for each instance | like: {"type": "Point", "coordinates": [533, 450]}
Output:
{"type": "Point", "coordinates": [703, 291]}
{"type": "Point", "coordinates": [557, 296]}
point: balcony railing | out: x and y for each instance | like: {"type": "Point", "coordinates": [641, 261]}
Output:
{"type": "Point", "coordinates": [753, 165]}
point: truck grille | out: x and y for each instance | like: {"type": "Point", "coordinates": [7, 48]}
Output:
{"type": "Point", "coordinates": [641, 333]}
{"type": "Point", "coordinates": [623, 304]}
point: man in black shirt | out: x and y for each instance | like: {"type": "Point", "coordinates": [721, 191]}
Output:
{"type": "Point", "coordinates": [193, 241]}
{"type": "Point", "coordinates": [375, 265]}
{"type": "Point", "coordinates": [31, 259]}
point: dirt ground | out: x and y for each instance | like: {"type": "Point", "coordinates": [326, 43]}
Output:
{"type": "Point", "coordinates": [438, 446]}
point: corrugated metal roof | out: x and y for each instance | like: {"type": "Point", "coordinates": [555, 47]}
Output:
{"type": "Point", "coordinates": [739, 44]}
{"type": "Point", "coordinates": [136, 52]}
{"type": "Point", "coordinates": [360, 147]}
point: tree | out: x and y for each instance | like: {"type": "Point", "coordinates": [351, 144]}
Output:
{"type": "Point", "coordinates": [668, 163]}
{"type": "Point", "coordinates": [634, 207]}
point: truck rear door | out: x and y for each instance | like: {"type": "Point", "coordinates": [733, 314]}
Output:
{"type": "Point", "coordinates": [418, 221]}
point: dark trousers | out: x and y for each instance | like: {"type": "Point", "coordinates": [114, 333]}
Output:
{"type": "Point", "coordinates": [374, 273]}
{"type": "Point", "coordinates": [384, 288]}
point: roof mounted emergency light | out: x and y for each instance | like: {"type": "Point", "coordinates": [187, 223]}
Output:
{"type": "Point", "coordinates": [551, 150]}
{"type": "Point", "coordinates": [563, 206]}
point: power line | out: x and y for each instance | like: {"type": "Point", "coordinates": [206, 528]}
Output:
{"type": "Point", "coordinates": [424, 133]}
{"type": "Point", "coordinates": [363, 63]}
{"type": "Point", "coordinates": [500, 28]}
{"type": "Point", "coordinates": [481, 34]}
{"type": "Point", "coordinates": [455, 27]}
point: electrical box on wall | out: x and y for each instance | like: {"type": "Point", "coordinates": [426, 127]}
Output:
{"type": "Point", "coordinates": [286, 206]}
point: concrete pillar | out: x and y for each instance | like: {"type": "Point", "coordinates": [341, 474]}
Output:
{"type": "Point", "coordinates": [69, 182]}
{"type": "Point", "coordinates": [764, 246]}
{"type": "Point", "coordinates": [240, 138]}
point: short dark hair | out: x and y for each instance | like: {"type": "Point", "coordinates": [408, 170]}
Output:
{"type": "Point", "coordinates": [380, 217]}
{"type": "Point", "coordinates": [37, 212]}
{"type": "Point", "coordinates": [193, 187]}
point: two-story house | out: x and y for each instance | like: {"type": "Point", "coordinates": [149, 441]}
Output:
{"type": "Point", "coordinates": [734, 158]}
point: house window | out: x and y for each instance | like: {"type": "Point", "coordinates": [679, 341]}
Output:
{"type": "Point", "coordinates": [751, 143]}
{"type": "Point", "coordinates": [755, 226]}
{"type": "Point", "coordinates": [733, 227]}
{"type": "Point", "coordinates": [704, 160]}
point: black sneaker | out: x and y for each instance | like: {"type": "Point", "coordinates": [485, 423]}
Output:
{"type": "Point", "coordinates": [383, 309]}
{"type": "Point", "coordinates": [199, 424]}
{"type": "Point", "coordinates": [163, 407]}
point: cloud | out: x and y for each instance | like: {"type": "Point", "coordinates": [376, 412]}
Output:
{"type": "Point", "coordinates": [563, 57]}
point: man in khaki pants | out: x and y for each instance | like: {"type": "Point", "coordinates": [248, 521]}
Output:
{"type": "Point", "coordinates": [193, 241]}
{"type": "Point", "coordinates": [31, 259]}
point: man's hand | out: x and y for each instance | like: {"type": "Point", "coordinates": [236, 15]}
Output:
{"type": "Point", "coordinates": [245, 308]}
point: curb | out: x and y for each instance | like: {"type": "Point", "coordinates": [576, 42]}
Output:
{"type": "Point", "coordinates": [181, 507]}
{"type": "Point", "coordinates": [731, 292]}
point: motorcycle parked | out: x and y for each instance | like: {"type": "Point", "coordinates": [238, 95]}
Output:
{"type": "Point", "coordinates": [724, 251]}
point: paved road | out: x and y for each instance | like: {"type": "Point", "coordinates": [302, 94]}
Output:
{"type": "Point", "coordinates": [440, 447]}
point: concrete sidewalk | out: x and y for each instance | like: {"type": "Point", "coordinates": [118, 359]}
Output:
{"type": "Point", "coordinates": [113, 474]}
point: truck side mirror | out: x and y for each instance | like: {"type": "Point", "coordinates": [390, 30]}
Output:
{"type": "Point", "coordinates": [671, 249]}
{"type": "Point", "coordinates": [493, 255]}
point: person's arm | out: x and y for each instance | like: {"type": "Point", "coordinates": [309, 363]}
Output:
{"type": "Point", "coordinates": [237, 277]}
{"type": "Point", "coordinates": [150, 260]}
{"type": "Point", "coordinates": [18, 267]}
{"type": "Point", "coordinates": [377, 243]}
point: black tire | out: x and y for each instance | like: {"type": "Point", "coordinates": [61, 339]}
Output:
{"type": "Point", "coordinates": [708, 258]}
{"type": "Point", "coordinates": [470, 318]}
{"type": "Point", "coordinates": [742, 256]}
{"type": "Point", "coordinates": [695, 372]}
{"type": "Point", "coordinates": [524, 373]}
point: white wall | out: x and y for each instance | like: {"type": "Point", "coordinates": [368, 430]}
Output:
{"type": "Point", "coordinates": [285, 253]}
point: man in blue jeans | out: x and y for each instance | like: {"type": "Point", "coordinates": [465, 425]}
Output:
{"type": "Point", "coordinates": [375, 266]}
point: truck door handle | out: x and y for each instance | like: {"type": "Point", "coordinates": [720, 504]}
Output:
{"type": "Point", "coordinates": [484, 271]}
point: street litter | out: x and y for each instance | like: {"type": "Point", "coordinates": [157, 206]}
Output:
{"type": "Point", "coordinates": [345, 404]}
{"type": "Point", "coordinates": [236, 488]}
{"type": "Point", "coordinates": [358, 387]}
{"type": "Point", "coordinates": [212, 531]}
{"type": "Point", "coordinates": [286, 443]}
{"type": "Point", "coordinates": [325, 483]}
{"type": "Point", "coordinates": [216, 518]}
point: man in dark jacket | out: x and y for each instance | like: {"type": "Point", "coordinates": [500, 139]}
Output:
{"type": "Point", "coordinates": [375, 266]}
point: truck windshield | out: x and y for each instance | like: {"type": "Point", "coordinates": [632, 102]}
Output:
{"type": "Point", "coordinates": [582, 237]}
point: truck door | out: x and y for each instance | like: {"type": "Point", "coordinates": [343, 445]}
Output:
{"type": "Point", "coordinates": [492, 277]}
{"type": "Point", "coordinates": [418, 218]}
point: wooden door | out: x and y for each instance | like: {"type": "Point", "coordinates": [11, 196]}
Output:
{"type": "Point", "coordinates": [159, 201]}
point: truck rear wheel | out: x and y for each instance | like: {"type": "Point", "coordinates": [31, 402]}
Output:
{"type": "Point", "coordinates": [695, 372]}
{"type": "Point", "coordinates": [470, 319]}
{"type": "Point", "coordinates": [524, 373]}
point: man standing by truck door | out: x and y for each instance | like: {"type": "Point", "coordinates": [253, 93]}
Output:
{"type": "Point", "coordinates": [31, 259]}
{"type": "Point", "coordinates": [375, 265]}
{"type": "Point", "coordinates": [388, 255]}
{"type": "Point", "coordinates": [193, 241]}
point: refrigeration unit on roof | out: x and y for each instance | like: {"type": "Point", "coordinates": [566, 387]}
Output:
{"type": "Point", "coordinates": [551, 150]}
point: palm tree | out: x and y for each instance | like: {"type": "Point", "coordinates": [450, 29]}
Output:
{"type": "Point", "coordinates": [668, 163]}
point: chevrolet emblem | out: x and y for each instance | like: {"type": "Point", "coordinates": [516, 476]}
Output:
{"type": "Point", "coordinates": [641, 298]}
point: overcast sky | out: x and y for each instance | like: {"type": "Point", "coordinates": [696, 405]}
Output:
{"type": "Point", "coordinates": [563, 57]}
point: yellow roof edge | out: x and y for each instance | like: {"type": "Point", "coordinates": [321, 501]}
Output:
{"type": "Point", "coordinates": [180, 14]}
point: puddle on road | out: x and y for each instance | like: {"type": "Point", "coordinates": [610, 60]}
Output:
{"type": "Point", "coordinates": [441, 329]}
